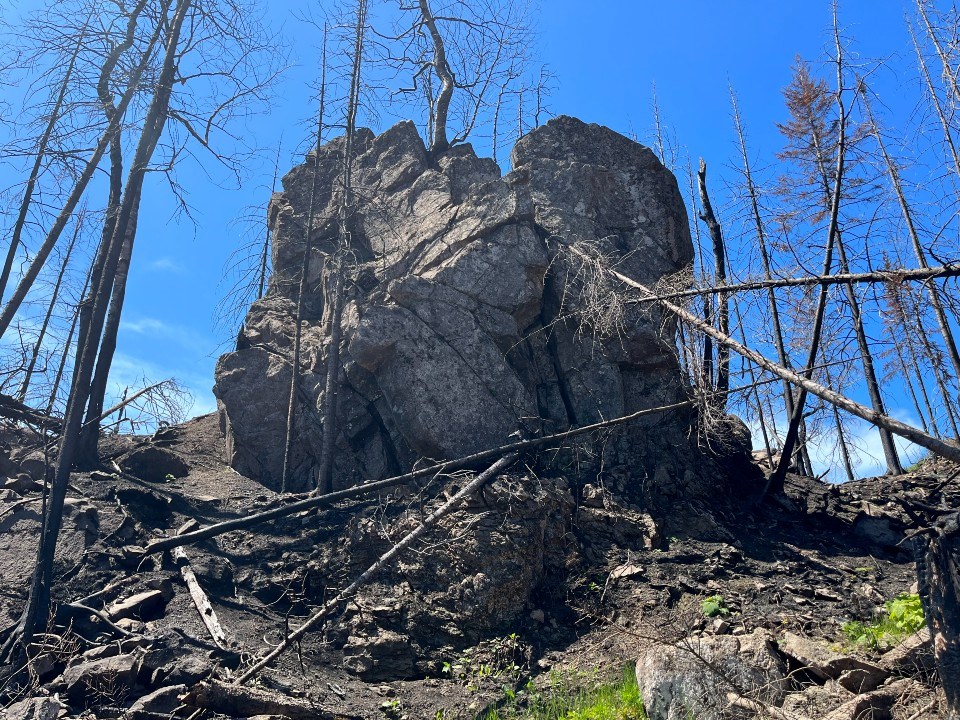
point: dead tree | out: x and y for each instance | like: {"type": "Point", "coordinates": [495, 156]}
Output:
{"type": "Point", "coordinates": [51, 306]}
{"type": "Point", "coordinates": [36, 610]}
{"type": "Point", "coordinates": [43, 144]}
{"type": "Point", "coordinates": [720, 263]}
{"type": "Point", "coordinates": [108, 137]}
{"type": "Point", "coordinates": [227, 64]}
{"type": "Point", "coordinates": [304, 267]}
{"type": "Point", "coordinates": [783, 357]}
{"type": "Point", "coordinates": [793, 429]}
{"type": "Point", "coordinates": [474, 53]}
{"type": "Point", "coordinates": [809, 126]}
{"type": "Point", "coordinates": [893, 173]}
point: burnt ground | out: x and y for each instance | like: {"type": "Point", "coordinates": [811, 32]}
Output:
{"type": "Point", "coordinates": [528, 582]}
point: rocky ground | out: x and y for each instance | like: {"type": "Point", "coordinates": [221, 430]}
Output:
{"type": "Point", "coordinates": [532, 580]}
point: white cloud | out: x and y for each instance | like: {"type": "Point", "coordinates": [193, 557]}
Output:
{"type": "Point", "coordinates": [160, 330]}
{"type": "Point", "coordinates": [863, 440]}
{"type": "Point", "coordinates": [167, 264]}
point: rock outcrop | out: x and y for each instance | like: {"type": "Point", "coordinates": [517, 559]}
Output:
{"type": "Point", "coordinates": [475, 309]}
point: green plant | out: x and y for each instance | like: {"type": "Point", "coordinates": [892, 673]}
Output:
{"type": "Point", "coordinates": [901, 617]}
{"type": "Point", "coordinates": [918, 465]}
{"type": "Point", "coordinates": [495, 659]}
{"type": "Point", "coordinates": [391, 708]}
{"type": "Point", "coordinates": [714, 606]}
{"type": "Point", "coordinates": [574, 698]}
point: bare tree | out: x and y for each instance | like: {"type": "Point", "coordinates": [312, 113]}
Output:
{"type": "Point", "coordinates": [720, 263]}
{"type": "Point", "coordinates": [465, 58]}
{"type": "Point", "coordinates": [805, 92]}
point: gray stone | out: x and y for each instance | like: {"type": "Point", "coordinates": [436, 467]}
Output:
{"type": "Point", "coordinates": [912, 654]}
{"type": "Point", "coordinates": [106, 680]}
{"type": "Point", "coordinates": [826, 664]}
{"type": "Point", "coordinates": [692, 677]}
{"type": "Point", "coordinates": [34, 464]}
{"type": "Point", "coordinates": [160, 703]}
{"type": "Point", "coordinates": [473, 315]}
{"type": "Point", "coordinates": [37, 708]}
{"type": "Point", "coordinates": [385, 656]}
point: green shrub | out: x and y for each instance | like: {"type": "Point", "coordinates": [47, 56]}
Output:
{"type": "Point", "coordinates": [715, 606]}
{"type": "Point", "coordinates": [901, 617]}
{"type": "Point", "coordinates": [569, 698]}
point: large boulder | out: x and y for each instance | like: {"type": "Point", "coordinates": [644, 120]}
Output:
{"type": "Point", "coordinates": [696, 676]}
{"type": "Point", "coordinates": [474, 309]}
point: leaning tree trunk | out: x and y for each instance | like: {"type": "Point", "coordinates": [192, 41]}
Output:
{"type": "Point", "coordinates": [37, 607]}
{"type": "Point", "coordinates": [21, 393]}
{"type": "Point", "coordinates": [108, 137]}
{"type": "Point", "coordinates": [25, 202]}
{"type": "Point", "coordinates": [938, 574]}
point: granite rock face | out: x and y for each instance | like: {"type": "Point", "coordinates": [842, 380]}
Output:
{"type": "Point", "coordinates": [473, 309]}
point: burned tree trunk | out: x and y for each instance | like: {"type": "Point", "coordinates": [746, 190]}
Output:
{"type": "Point", "coordinates": [938, 575]}
{"type": "Point", "coordinates": [723, 306]}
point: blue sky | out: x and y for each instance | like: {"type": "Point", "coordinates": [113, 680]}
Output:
{"type": "Point", "coordinates": [606, 56]}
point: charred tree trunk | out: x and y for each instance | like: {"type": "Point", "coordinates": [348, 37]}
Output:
{"type": "Point", "coordinates": [723, 307]}
{"type": "Point", "coordinates": [938, 575]}
{"type": "Point", "coordinates": [87, 451]}
{"type": "Point", "coordinates": [55, 390]}
{"type": "Point", "coordinates": [36, 610]}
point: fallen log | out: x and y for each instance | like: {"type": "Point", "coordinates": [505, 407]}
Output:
{"type": "Point", "coordinates": [13, 409]}
{"type": "Point", "coordinates": [201, 601]}
{"type": "Point", "coordinates": [236, 701]}
{"type": "Point", "coordinates": [894, 276]}
{"type": "Point", "coordinates": [320, 615]}
{"type": "Point", "coordinates": [210, 531]}
{"type": "Point", "coordinates": [914, 435]}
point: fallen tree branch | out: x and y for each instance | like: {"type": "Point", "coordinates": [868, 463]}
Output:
{"type": "Point", "coordinates": [235, 701]}
{"type": "Point", "coordinates": [202, 602]}
{"type": "Point", "coordinates": [449, 506]}
{"type": "Point", "coordinates": [920, 275]}
{"type": "Point", "coordinates": [120, 405]}
{"type": "Point", "coordinates": [762, 709]}
{"type": "Point", "coordinates": [189, 538]}
{"type": "Point", "coordinates": [13, 409]}
{"type": "Point", "coordinates": [914, 435]}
